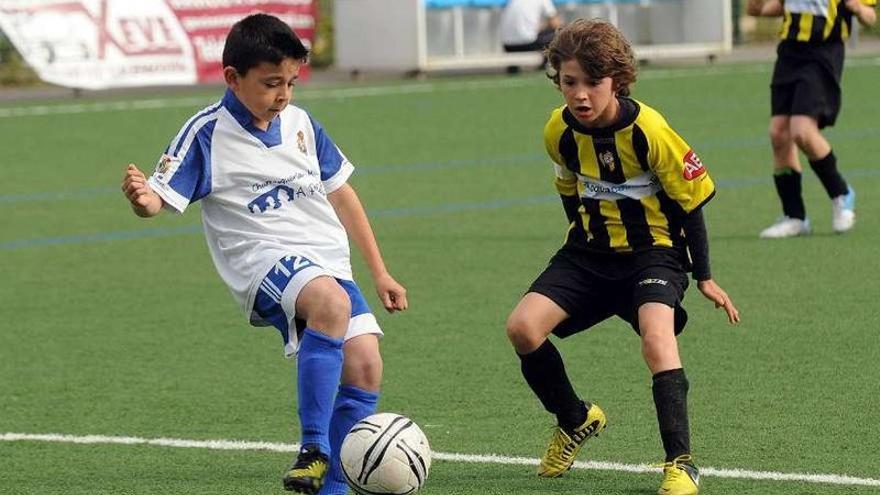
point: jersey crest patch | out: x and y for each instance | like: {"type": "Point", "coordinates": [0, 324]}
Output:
{"type": "Point", "coordinates": [693, 167]}
{"type": "Point", "coordinates": [301, 141]}
{"type": "Point", "coordinates": [166, 167]}
{"type": "Point", "coordinates": [607, 159]}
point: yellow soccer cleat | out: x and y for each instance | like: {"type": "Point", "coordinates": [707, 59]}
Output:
{"type": "Point", "coordinates": [680, 477]}
{"type": "Point", "coordinates": [564, 446]}
{"type": "Point", "coordinates": [308, 471]}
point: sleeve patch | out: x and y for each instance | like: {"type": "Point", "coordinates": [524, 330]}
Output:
{"type": "Point", "coordinates": [693, 167]}
{"type": "Point", "coordinates": [166, 168]}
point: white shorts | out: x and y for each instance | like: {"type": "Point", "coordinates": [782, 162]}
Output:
{"type": "Point", "coordinates": [275, 302]}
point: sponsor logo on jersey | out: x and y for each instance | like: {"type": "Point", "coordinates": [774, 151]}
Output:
{"type": "Point", "coordinates": [301, 141]}
{"type": "Point", "coordinates": [693, 167]}
{"type": "Point", "coordinates": [653, 281]}
{"type": "Point", "coordinates": [280, 195]}
{"type": "Point", "coordinates": [607, 159]}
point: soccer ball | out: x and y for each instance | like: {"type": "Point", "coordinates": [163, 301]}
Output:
{"type": "Point", "coordinates": [385, 454]}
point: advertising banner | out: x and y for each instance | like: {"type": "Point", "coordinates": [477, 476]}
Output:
{"type": "Point", "coordinates": [97, 44]}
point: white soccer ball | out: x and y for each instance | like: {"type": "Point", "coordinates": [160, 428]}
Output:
{"type": "Point", "coordinates": [385, 454]}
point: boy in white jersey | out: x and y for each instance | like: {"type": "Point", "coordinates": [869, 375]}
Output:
{"type": "Point", "coordinates": [277, 210]}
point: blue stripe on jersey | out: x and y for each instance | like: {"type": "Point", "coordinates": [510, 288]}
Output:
{"type": "Point", "coordinates": [192, 179]}
{"type": "Point", "coordinates": [329, 157]}
{"type": "Point", "coordinates": [181, 137]}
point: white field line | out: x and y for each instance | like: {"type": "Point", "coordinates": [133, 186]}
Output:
{"type": "Point", "coordinates": [389, 90]}
{"type": "Point", "coordinates": [833, 479]}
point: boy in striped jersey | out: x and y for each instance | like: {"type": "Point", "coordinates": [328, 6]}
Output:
{"type": "Point", "coordinates": [277, 212]}
{"type": "Point", "coordinates": [805, 98]}
{"type": "Point", "coordinates": [633, 192]}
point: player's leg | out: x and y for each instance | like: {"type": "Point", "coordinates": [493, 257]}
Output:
{"type": "Point", "coordinates": [787, 173]}
{"type": "Point", "coordinates": [670, 388]}
{"type": "Point", "coordinates": [361, 380]}
{"type": "Point", "coordinates": [295, 289]}
{"type": "Point", "coordinates": [528, 329]}
{"type": "Point", "coordinates": [357, 399]}
{"type": "Point", "coordinates": [656, 314]}
{"type": "Point", "coordinates": [806, 133]}
{"type": "Point", "coordinates": [326, 309]}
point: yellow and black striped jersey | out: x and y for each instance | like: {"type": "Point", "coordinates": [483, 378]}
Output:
{"type": "Point", "coordinates": [817, 21]}
{"type": "Point", "coordinates": [635, 180]}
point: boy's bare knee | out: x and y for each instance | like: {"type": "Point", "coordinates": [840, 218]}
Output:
{"type": "Point", "coordinates": [780, 136]}
{"type": "Point", "coordinates": [335, 312]}
{"type": "Point", "coordinates": [325, 306]}
{"type": "Point", "coordinates": [523, 334]}
{"type": "Point", "coordinates": [800, 138]}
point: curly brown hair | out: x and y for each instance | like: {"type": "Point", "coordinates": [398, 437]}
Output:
{"type": "Point", "coordinates": [600, 49]}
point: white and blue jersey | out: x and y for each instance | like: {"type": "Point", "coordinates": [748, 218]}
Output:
{"type": "Point", "coordinates": [263, 193]}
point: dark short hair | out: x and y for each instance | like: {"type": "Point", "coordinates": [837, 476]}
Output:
{"type": "Point", "coordinates": [600, 49]}
{"type": "Point", "coordinates": [261, 38]}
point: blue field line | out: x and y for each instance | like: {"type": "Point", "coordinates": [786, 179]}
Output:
{"type": "Point", "coordinates": [91, 192]}
{"type": "Point", "coordinates": [85, 193]}
{"type": "Point", "coordinates": [415, 211]}
{"type": "Point", "coordinates": [196, 229]}
{"type": "Point", "coordinates": [100, 237]}
{"type": "Point", "coordinates": [734, 143]}
{"type": "Point", "coordinates": [418, 211]}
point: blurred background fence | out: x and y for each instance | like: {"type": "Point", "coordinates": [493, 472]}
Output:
{"type": "Point", "coordinates": [14, 71]}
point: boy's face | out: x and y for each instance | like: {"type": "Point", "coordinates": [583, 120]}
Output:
{"type": "Point", "coordinates": [266, 89]}
{"type": "Point", "coordinates": [592, 102]}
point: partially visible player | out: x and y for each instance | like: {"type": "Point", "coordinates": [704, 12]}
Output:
{"type": "Point", "coordinates": [633, 192]}
{"type": "Point", "coordinates": [277, 212]}
{"type": "Point", "coordinates": [805, 98]}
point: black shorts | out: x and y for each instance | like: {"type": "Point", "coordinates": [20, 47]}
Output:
{"type": "Point", "coordinates": [806, 81]}
{"type": "Point", "coordinates": [591, 288]}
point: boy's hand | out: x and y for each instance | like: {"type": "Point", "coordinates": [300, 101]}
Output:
{"type": "Point", "coordinates": [391, 293]}
{"type": "Point", "coordinates": [144, 201]}
{"type": "Point", "coordinates": [717, 295]}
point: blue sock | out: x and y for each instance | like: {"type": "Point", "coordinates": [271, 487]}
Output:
{"type": "Point", "coordinates": [352, 405]}
{"type": "Point", "coordinates": [319, 368]}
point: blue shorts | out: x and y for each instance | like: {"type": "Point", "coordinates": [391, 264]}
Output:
{"type": "Point", "coordinates": [275, 301]}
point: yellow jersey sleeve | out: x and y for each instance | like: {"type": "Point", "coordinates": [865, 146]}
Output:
{"type": "Point", "coordinates": [566, 180]}
{"type": "Point", "coordinates": [869, 3]}
{"type": "Point", "coordinates": [680, 171]}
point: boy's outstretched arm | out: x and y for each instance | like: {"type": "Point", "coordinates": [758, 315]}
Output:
{"type": "Point", "coordinates": [144, 201]}
{"type": "Point", "coordinates": [353, 217]}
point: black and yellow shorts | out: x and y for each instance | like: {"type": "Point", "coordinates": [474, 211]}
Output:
{"type": "Point", "coordinates": [592, 288]}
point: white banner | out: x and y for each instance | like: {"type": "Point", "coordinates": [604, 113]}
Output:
{"type": "Point", "coordinates": [96, 44]}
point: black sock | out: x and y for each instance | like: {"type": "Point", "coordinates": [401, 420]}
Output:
{"type": "Point", "coordinates": [826, 170]}
{"type": "Point", "coordinates": [788, 186]}
{"type": "Point", "coordinates": [545, 373]}
{"type": "Point", "coordinates": [670, 398]}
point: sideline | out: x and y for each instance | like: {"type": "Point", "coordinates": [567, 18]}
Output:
{"type": "Point", "coordinates": [833, 479]}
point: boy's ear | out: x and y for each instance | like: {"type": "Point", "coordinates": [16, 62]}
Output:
{"type": "Point", "coordinates": [231, 76]}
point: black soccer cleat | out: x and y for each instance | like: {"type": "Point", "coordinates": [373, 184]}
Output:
{"type": "Point", "coordinates": [308, 471]}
